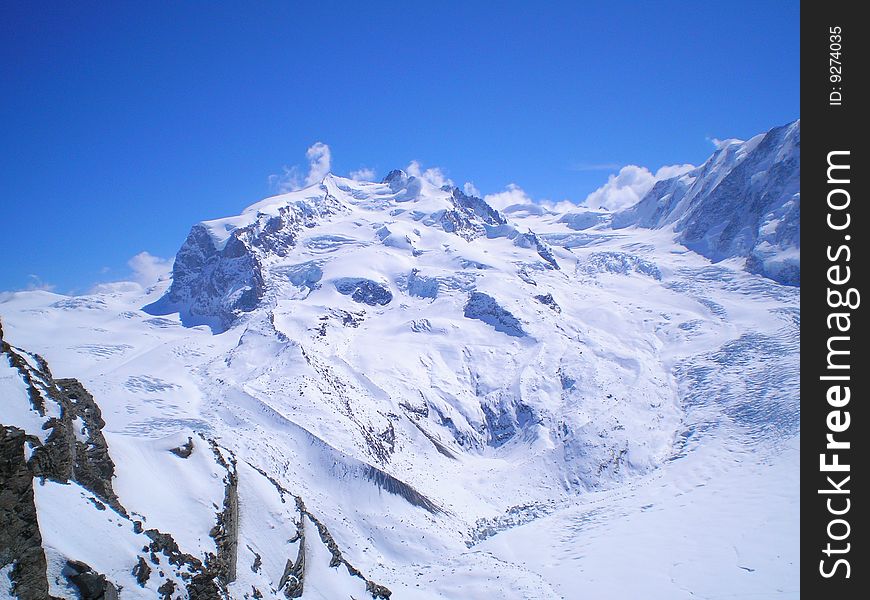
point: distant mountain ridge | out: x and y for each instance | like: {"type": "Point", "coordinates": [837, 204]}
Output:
{"type": "Point", "coordinates": [743, 202]}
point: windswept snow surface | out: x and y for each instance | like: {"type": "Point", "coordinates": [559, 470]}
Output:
{"type": "Point", "coordinates": [633, 434]}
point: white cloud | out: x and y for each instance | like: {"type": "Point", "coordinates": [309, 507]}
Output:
{"type": "Point", "coordinates": [149, 269]}
{"type": "Point", "coordinates": [594, 167]}
{"type": "Point", "coordinates": [290, 179]}
{"type": "Point", "coordinates": [668, 171]}
{"type": "Point", "coordinates": [719, 144]}
{"type": "Point", "coordinates": [627, 187]}
{"type": "Point", "coordinates": [433, 175]}
{"type": "Point", "coordinates": [363, 174]}
{"type": "Point", "coordinates": [319, 163]}
{"type": "Point", "coordinates": [470, 189]}
{"type": "Point", "coordinates": [116, 287]}
{"type": "Point", "coordinates": [35, 282]}
{"type": "Point", "coordinates": [513, 194]}
{"type": "Point", "coordinates": [560, 207]}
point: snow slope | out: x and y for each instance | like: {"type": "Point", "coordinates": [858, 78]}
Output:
{"type": "Point", "coordinates": [402, 387]}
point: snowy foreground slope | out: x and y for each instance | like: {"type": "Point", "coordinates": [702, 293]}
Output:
{"type": "Point", "coordinates": [364, 390]}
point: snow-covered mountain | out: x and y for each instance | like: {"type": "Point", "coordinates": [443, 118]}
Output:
{"type": "Point", "coordinates": [390, 389]}
{"type": "Point", "coordinates": [743, 202]}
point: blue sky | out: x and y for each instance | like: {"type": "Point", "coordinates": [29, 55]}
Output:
{"type": "Point", "coordinates": [124, 123]}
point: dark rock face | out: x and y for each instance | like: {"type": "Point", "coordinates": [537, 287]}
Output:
{"type": "Point", "coordinates": [210, 286]}
{"type": "Point", "coordinates": [478, 207]}
{"type": "Point", "coordinates": [63, 456]}
{"type": "Point", "coordinates": [364, 291]}
{"type": "Point", "coordinates": [484, 307]}
{"type": "Point", "coordinates": [531, 240]}
{"type": "Point", "coordinates": [226, 531]}
{"type": "Point", "coordinates": [91, 585]}
{"type": "Point", "coordinates": [185, 450]}
{"type": "Point", "coordinates": [470, 216]}
{"type": "Point", "coordinates": [167, 589]}
{"type": "Point", "coordinates": [203, 585]}
{"type": "Point", "coordinates": [743, 202]}
{"type": "Point", "coordinates": [214, 285]}
{"type": "Point", "coordinates": [92, 467]}
{"type": "Point", "coordinates": [505, 421]}
{"type": "Point", "coordinates": [548, 301]}
{"type": "Point", "coordinates": [395, 175]}
{"type": "Point", "coordinates": [142, 572]}
{"type": "Point", "coordinates": [20, 540]}
{"type": "Point", "coordinates": [292, 580]}
{"type": "Point", "coordinates": [75, 449]}
{"type": "Point", "coordinates": [388, 483]}
{"type": "Point", "coordinates": [376, 590]}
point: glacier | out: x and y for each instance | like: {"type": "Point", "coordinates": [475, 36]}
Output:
{"type": "Point", "coordinates": [392, 390]}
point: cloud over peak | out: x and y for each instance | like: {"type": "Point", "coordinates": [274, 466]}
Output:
{"type": "Point", "coordinates": [629, 185]}
{"type": "Point", "coordinates": [362, 174]}
{"type": "Point", "coordinates": [512, 194]}
{"type": "Point", "coordinates": [433, 175]}
{"type": "Point", "coordinates": [319, 158]}
{"type": "Point", "coordinates": [319, 162]}
{"type": "Point", "coordinates": [148, 269]}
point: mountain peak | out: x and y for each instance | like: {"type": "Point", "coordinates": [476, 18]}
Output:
{"type": "Point", "coordinates": [395, 175]}
{"type": "Point", "coordinates": [744, 201]}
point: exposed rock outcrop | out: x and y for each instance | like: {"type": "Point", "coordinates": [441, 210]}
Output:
{"type": "Point", "coordinates": [91, 585]}
{"type": "Point", "coordinates": [218, 274]}
{"type": "Point", "coordinates": [293, 577]}
{"type": "Point", "coordinates": [364, 291]}
{"type": "Point", "coordinates": [226, 531]}
{"type": "Point", "coordinates": [92, 467]}
{"type": "Point", "coordinates": [185, 450]}
{"type": "Point", "coordinates": [75, 449]}
{"type": "Point", "coordinates": [376, 590]}
{"type": "Point", "coordinates": [142, 572]}
{"type": "Point", "coordinates": [20, 540]}
{"type": "Point", "coordinates": [484, 307]}
{"type": "Point", "coordinates": [548, 301]}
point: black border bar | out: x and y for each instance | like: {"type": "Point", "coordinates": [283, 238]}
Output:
{"type": "Point", "coordinates": [834, 368]}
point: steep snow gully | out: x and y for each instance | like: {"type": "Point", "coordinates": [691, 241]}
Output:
{"type": "Point", "coordinates": [392, 390]}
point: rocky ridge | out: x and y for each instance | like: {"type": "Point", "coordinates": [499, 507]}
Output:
{"type": "Point", "coordinates": [73, 451]}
